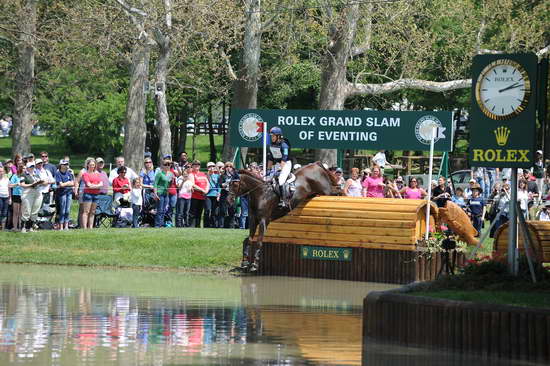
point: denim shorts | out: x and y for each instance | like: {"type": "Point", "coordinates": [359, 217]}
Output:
{"type": "Point", "coordinates": [90, 197]}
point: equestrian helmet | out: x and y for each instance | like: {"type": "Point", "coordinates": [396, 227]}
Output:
{"type": "Point", "coordinates": [276, 131]}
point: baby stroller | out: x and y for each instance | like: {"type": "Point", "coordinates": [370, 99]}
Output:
{"type": "Point", "coordinates": [46, 215]}
{"type": "Point", "coordinates": [148, 210]}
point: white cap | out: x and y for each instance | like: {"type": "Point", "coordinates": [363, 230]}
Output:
{"type": "Point", "coordinates": [38, 161]}
{"type": "Point", "coordinates": [30, 164]}
{"type": "Point", "coordinates": [539, 152]}
{"type": "Point", "coordinates": [220, 164]}
{"type": "Point", "coordinates": [209, 164]}
{"type": "Point", "coordinates": [297, 166]}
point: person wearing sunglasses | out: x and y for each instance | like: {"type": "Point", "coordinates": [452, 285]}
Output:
{"type": "Point", "coordinates": [160, 191]}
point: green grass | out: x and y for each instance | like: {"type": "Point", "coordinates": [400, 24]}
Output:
{"type": "Point", "coordinates": [525, 299]}
{"type": "Point", "coordinates": [189, 248]}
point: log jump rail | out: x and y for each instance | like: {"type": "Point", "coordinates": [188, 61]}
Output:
{"type": "Point", "coordinates": [349, 238]}
{"type": "Point", "coordinates": [540, 235]}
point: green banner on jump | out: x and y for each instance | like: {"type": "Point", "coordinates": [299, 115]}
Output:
{"type": "Point", "coordinates": [348, 129]}
{"type": "Point", "coordinates": [326, 253]}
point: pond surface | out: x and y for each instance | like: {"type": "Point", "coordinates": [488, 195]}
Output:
{"type": "Point", "coordinates": [74, 316]}
{"type": "Point", "coordinates": [79, 316]}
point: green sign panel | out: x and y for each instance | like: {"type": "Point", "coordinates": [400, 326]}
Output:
{"type": "Point", "coordinates": [502, 116]}
{"type": "Point", "coordinates": [349, 129]}
{"type": "Point", "coordinates": [326, 253]}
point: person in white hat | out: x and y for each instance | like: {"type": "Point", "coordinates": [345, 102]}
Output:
{"type": "Point", "coordinates": [31, 199]}
{"type": "Point", "coordinates": [47, 180]}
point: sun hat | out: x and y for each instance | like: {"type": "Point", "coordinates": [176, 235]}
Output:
{"type": "Point", "coordinates": [196, 162]}
{"type": "Point", "coordinates": [478, 187]}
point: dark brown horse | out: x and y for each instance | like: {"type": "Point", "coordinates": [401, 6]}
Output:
{"type": "Point", "coordinates": [263, 207]}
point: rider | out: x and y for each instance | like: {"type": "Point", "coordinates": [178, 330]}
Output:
{"type": "Point", "coordinates": [278, 160]}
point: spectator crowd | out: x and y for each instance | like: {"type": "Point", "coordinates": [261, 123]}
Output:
{"type": "Point", "coordinates": [487, 196]}
{"type": "Point", "coordinates": [34, 193]}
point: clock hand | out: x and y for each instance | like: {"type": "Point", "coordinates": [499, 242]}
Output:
{"type": "Point", "coordinates": [515, 85]}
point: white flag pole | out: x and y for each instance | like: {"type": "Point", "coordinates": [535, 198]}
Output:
{"type": "Point", "coordinates": [265, 149]}
{"type": "Point", "coordinates": [434, 132]}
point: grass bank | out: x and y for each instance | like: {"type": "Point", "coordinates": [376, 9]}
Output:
{"type": "Point", "coordinates": [516, 298]}
{"type": "Point", "coordinates": [188, 249]}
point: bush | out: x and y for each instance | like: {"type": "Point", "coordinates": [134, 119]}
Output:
{"type": "Point", "coordinates": [84, 112]}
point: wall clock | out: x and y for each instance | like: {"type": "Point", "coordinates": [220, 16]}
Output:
{"type": "Point", "coordinates": [503, 89]}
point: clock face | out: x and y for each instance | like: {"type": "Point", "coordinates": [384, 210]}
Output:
{"type": "Point", "coordinates": [503, 89]}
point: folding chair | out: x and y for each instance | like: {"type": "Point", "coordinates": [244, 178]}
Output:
{"type": "Point", "coordinates": [104, 214]}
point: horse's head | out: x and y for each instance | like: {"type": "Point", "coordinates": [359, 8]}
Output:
{"type": "Point", "coordinates": [235, 189]}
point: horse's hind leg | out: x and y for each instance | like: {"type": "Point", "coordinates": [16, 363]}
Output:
{"type": "Point", "coordinates": [259, 243]}
{"type": "Point", "coordinates": [245, 263]}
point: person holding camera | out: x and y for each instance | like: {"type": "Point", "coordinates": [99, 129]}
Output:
{"type": "Point", "coordinates": [442, 193]}
{"type": "Point", "coordinates": [502, 203]}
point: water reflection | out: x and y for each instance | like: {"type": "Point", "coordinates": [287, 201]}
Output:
{"type": "Point", "coordinates": [73, 316]}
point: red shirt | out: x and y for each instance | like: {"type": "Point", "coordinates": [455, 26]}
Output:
{"type": "Point", "coordinates": [118, 183]}
{"type": "Point", "coordinates": [173, 188]}
{"type": "Point", "coordinates": [91, 178]}
{"type": "Point", "coordinates": [201, 180]}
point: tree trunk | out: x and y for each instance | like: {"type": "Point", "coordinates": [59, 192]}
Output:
{"type": "Point", "coordinates": [134, 128]}
{"type": "Point", "coordinates": [245, 88]}
{"type": "Point", "coordinates": [163, 122]}
{"type": "Point", "coordinates": [211, 135]}
{"type": "Point", "coordinates": [334, 84]}
{"type": "Point", "coordinates": [24, 79]}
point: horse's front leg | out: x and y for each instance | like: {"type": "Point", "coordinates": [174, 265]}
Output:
{"type": "Point", "coordinates": [247, 243]}
{"type": "Point", "coordinates": [259, 244]}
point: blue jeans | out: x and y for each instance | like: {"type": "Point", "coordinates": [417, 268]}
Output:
{"type": "Point", "coordinates": [170, 207]}
{"type": "Point", "coordinates": [64, 206]}
{"type": "Point", "coordinates": [182, 212]}
{"type": "Point", "coordinates": [244, 212]}
{"type": "Point", "coordinates": [210, 208]}
{"type": "Point", "coordinates": [162, 203]}
{"type": "Point", "coordinates": [4, 208]}
{"type": "Point", "coordinates": [136, 213]}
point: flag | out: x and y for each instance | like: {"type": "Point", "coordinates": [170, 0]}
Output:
{"type": "Point", "coordinates": [444, 167]}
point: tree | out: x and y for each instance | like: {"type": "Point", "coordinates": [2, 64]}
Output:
{"type": "Point", "coordinates": [20, 30]}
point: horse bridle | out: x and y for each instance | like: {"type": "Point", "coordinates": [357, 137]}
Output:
{"type": "Point", "coordinates": [247, 192]}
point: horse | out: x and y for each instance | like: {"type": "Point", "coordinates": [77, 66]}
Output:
{"type": "Point", "coordinates": [311, 180]}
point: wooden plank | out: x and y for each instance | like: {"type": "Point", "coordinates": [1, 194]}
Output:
{"type": "Point", "coordinates": [359, 214]}
{"type": "Point", "coordinates": [351, 238]}
{"type": "Point", "coordinates": [323, 220]}
{"type": "Point", "coordinates": [338, 243]}
{"type": "Point", "coordinates": [362, 199]}
{"type": "Point", "coordinates": [380, 231]}
{"type": "Point", "coordinates": [360, 206]}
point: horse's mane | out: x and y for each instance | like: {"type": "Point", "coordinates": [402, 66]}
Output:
{"type": "Point", "coordinates": [330, 175]}
{"type": "Point", "coordinates": [250, 174]}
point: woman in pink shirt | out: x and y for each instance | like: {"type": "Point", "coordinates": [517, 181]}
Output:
{"type": "Point", "coordinates": [413, 192]}
{"type": "Point", "coordinates": [373, 186]}
{"type": "Point", "coordinates": [92, 184]}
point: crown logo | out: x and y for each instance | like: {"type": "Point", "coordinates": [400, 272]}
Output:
{"type": "Point", "coordinates": [502, 133]}
{"type": "Point", "coordinates": [304, 251]}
